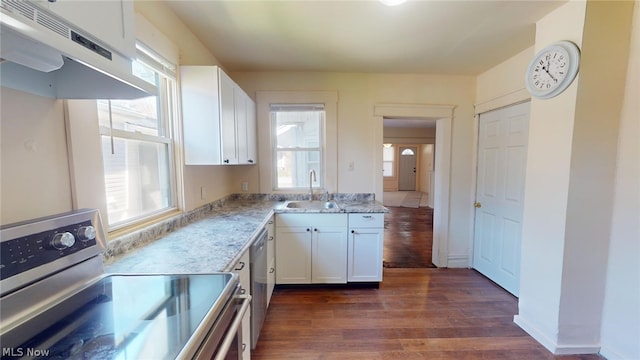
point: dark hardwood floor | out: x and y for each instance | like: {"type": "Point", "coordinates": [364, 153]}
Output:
{"type": "Point", "coordinates": [408, 237]}
{"type": "Point", "coordinates": [416, 313]}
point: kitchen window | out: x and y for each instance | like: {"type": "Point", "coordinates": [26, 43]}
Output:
{"type": "Point", "coordinates": [297, 134]}
{"type": "Point", "coordinates": [137, 147]}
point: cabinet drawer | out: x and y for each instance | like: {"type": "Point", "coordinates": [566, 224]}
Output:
{"type": "Point", "coordinates": [370, 220]}
{"type": "Point", "coordinates": [317, 220]}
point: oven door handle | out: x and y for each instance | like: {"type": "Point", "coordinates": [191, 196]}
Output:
{"type": "Point", "coordinates": [237, 321]}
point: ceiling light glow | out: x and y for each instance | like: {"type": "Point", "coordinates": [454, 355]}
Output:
{"type": "Point", "coordinates": [392, 2]}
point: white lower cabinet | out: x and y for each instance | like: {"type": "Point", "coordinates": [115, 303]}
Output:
{"type": "Point", "coordinates": [242, 268]}
{"type": "Point", "coordinates": [271, 258]}
{"type": "Point", "coordinates": [311, 248]}
{"type": "Point", "coordinates": [365, 245]}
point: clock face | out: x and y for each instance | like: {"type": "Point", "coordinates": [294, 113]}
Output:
{"type": "Point", "coordinates": [552, 70]}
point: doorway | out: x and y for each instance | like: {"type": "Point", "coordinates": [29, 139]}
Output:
{"type": "Point", "coordinates": [408, 231]}
{"type": "Point", "coordinates": [407, 166]}
{"type": "Point", "coordinates": [443, 116]}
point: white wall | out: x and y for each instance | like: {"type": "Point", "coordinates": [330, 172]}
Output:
{"type": "Point", "coordinates": [34, 163]}
{"type": "Point", "coordinates": [573, 141]}
{"type": "Point", "coordinates": [620, 336]}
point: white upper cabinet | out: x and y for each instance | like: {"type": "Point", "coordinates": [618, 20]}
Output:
{"type": "Point", "coordinates": [108, 22]}
{"type": "Point", "coordinates": [252, 132]}
{"type": "Point", "coordinates": [246, 126]}
{"type": "Point", "coordinates": [228, 118]}
{"type": "Point", "coordinates": [218, 118]}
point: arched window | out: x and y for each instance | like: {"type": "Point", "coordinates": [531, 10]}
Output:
{"type": "Point", "coordinates": [407, 152]}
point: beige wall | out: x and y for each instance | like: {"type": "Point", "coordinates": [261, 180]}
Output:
{"type": "Point", "coordinates": [360, 135]}
{"type": "Point", "coordinates": [218, 181]}
{"type": "Point", "coordinates": [621, 315]}
{"type": "Point", "coordinates": [409, 135]}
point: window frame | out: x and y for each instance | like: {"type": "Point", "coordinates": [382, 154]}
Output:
{"type": "Point", "coordinates": [264, 99]}
{"type": "Point", "coordinates": [392, 162]}
{"type": "Point", "coordinates": [167, 87]}
{"type": "Point", "coordinates": [320, 148]}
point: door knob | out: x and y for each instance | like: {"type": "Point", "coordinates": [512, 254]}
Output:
{"type": "Point", "coordinates": [477, 205]}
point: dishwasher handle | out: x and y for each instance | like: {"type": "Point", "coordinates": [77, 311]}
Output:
{"type": "Point", "coordinates": [233, 329]}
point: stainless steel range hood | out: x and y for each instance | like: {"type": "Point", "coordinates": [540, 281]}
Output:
{"type": "Point", "coordinates": [36, 59]}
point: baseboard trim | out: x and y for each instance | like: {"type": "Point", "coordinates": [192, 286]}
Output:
{"type": "Point", "coordinates": [458, 261]}
{"type": "Point", "coordinates": [535, 333]}
{"type": "Point", "coordinates": [609, 353]}
{"type": "Point", "coordinates": [551, 344]}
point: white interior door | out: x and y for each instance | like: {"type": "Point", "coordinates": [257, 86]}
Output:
{"type": "Point", "coordinates": [502, 155]}
{"type": "Point", "coordinates": [407, 168]}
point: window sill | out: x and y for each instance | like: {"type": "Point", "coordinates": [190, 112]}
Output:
{"type": "Point", "coordinates": [130, 228]}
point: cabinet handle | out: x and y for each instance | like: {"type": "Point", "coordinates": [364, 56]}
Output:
{"type": "Point", "coordinates": [270, 238]}
{"type": "Point", "coordinates": [272, 270]}
{"type": "Point", "coordinates": [243, 291]}
{"type": "Point", "coordinates": [308, 229]}
{"type": "Point", "coordinates": [353, 231]}
{"type": "Point", "coordinates": [367, 216]}
{"type": "Point", "coordinates": [316, 230]}
{"type": "Point", "coordinates": [226, 161]}
{"type": "Point", "coordinates": [244, 347]}
{"type": "Point", "coordinates": [242, 264]}
{"type": "Point", "coordinates": [251, 161]}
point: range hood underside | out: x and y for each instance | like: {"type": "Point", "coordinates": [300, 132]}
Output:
{"type": "Point", "coordinates": [72, 81]}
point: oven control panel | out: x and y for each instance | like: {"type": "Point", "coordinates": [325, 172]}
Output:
{"type": "Point", "coordinates": [25, 253]}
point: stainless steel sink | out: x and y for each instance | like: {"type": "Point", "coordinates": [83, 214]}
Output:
{"type": "Point", "coordinates": [311, 205]}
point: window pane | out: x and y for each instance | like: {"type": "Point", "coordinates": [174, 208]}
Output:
{"type": "Point", "coordinates": [388, 153]}
{"type": "Point", "coordinates": [140, 115]}
{"type": "Point", "coordinates": [136, 178]}
{"type": "Point", "coordinates": [298, 128]}
{"type": "Point", "coordinates": [407, 152]}
{"type": "Point", "coordinates": [293, 168]}
{"type": "Point", "coordinates": [144, 72]}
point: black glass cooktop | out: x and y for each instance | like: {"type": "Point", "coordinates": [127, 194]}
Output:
{"type": "Point", "coordinates": [122, 317]}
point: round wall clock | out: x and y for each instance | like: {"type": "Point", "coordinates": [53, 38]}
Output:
{"type": "Point", "coordinates": [553, 69]}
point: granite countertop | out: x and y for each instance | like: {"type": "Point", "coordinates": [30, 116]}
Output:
{"type": "Point", "coordinates": [213, 238]}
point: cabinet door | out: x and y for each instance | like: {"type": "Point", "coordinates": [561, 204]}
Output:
{"type": "Point", "coordinates": [271, 258]}
{"type": "Point", "coordinates": [293, 255]}
{"type": "Point", "coordinates": [365, 254]}
{"type": "Point", "coordinates": [109, 22]}
{"type": "Point", "coordinates": [242, 268]}
{"type": "Point", "coordinates": [241, 125]}
{"type": "Point", "coordinates": [329, 255]}
{"type": "Point", "coordinates": [252, 132]}
{"type": "Point", "coordinates": [227, 118]}
{"type": "Point", "coordinates": [200, 115]}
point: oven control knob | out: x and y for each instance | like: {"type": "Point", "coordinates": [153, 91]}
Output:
{"type": "Point", "coordinates": [63, 240]}
{"type": "Point", "coordinates": [86, 233]}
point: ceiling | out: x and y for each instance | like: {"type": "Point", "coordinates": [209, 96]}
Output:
{"type": "Point", "coordinates": [420, 36]}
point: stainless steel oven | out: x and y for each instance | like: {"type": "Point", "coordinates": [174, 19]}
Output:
{"type": "Point", "coordinates": [56, 302]}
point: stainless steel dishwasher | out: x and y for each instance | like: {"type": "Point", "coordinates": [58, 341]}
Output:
{"type": "Point", "coordinates": [258, 258]}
